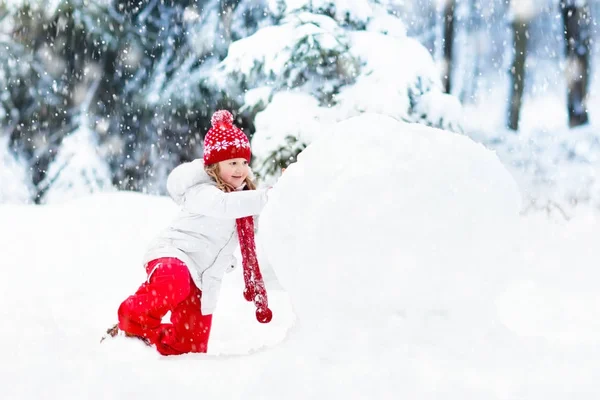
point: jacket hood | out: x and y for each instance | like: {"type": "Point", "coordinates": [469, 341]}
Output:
{"type": "Point", "coordinates": [187, 175]}
{"type": "Point", "coordinates": [184, 177]}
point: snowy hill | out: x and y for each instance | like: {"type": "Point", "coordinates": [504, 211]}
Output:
{"type": "Point", "coordinates": [408, 273]}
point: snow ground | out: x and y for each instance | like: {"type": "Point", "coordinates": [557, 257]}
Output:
{"type": "Point", "coordinates": [434, 287]}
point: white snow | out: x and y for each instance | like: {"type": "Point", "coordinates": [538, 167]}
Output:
{"type": "Point", "coordinates": [270, 47]}
{"type": "Point", "coordinates": [257, 98]}
{"type": "Point", "coordinates": [78, 168]}
{"type": "Point", "coordinates": [14, 186]}
{"type": "Point", "coordinates": [387, 75]}
{"type": "Point", "coordinates": [418, 237]}
{"type": "Point", "coordinates": [556, 167]}
{"type": "Point", "coordinates": [343, 10]}
{"type": "Point", "coordinates": [203, 28]}
{"type": "Point", "coordinates": [290, 114]}
{"type": "Point", "coordinates": [66, 269]}
{"type": "Point", "coordinates": [524, 10]}
{"type": "Point", "coordinates": [384, 22]}
{"type": "Point", "coordinates": [403, 255]}
{"type": "Point", "coordinates": [439, 110]}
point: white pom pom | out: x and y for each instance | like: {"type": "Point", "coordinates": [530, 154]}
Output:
{"type": "Point", "coordinates": [221, 117]}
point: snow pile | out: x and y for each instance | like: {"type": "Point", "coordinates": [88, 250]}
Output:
{"type": "Point", "coordinates": [387, 218]}
{"type": "Point", "coordinates": [409, 266]}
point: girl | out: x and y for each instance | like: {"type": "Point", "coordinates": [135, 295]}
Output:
{"type": "Point", "coordinates": [187, 261]}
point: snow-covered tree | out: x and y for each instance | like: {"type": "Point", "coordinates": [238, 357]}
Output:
{"type": "Point", "coordinates": [158, 69]}
{"type": "Point", "coordinates": [306, 50]}
{"type": "Point", "coordinates": [326, 61]}
{"type": "Point", "coordinates": [15, 183]}
{"type": "Point", "coordinates": [146, 63]}
{"type": "Point", "coordinates": [77, 170]}
{"type": "Point", "coordinates": [52, 53]}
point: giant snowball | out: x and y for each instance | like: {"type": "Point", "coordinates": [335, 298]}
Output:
{"type": "Point", "coordinates": [381, 217]}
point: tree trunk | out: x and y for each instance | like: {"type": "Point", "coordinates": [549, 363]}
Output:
{"type": "Point", "coordinates": [517, 71]}
{"type": "Point", "coordinates": [576, 20]}
{"type": "Point", "coordinates": [449, 17]}
{"type": "Point", "coordinates": [472, 54]}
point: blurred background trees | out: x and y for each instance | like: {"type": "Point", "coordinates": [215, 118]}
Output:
{"type": "Point", "coordinates": [112, 94]}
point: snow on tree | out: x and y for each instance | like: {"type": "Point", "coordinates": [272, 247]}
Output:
{"type": "Point", "coordinates": [53, 52]}
{"type": "Point", "coordinates": [307, 53]}
{"type": "Point", "coordinates": [353, 13]}
{"type": "Point", "coordinates": [524, 10]}
{"type": "Point", "coordinates": [437, 109]}
{"type": "Point", "coordinates": [248, 16]}
{"type": "Point", "coordinates": [306, 50]}
{"type": "Point", "coordinates": [351, 58]}
{"type": "Point", "coordinates": [78, 169]}
{"type": "Point", "coordinates": [284, 129]}
{"type": "Point", "coordinates": [15, 182]}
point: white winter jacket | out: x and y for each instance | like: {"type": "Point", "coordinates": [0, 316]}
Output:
{"type": "Point", "coordinates": [204, 234]}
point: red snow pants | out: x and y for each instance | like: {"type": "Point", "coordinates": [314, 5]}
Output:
{"type": "Point", "coordinates": [169, 288]}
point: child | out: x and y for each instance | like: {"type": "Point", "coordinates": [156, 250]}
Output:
{"type": "Point", "coordinates": [186, 263]}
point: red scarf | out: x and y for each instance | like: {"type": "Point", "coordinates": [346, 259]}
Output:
{"type": "Point", "coordinates": [255, 287]}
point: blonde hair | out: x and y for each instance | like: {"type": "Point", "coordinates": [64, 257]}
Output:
{"type": "Point", "coordinates": [213, 171]}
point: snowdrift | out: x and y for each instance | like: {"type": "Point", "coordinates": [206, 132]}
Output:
{"type": "Point", "coordinates": [396, 216]}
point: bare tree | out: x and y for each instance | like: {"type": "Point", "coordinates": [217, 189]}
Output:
{"type": "Point", "coordinates": [576, 20]}
{"type": "Point", "coordinates": [522, 12]}
{"type": "Point", "coordinates": [472, 51]}
{"type": "Point", "coordinates": [449, 18]}
{"type": "Point", "coordinates": [517, 72]}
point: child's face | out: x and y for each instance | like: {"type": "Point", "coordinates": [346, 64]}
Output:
{"type": "Point", "coordinates": [234, 171]}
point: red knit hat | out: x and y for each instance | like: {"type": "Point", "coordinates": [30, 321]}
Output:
{"type": "Point", "coordinates": [224, 140]}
